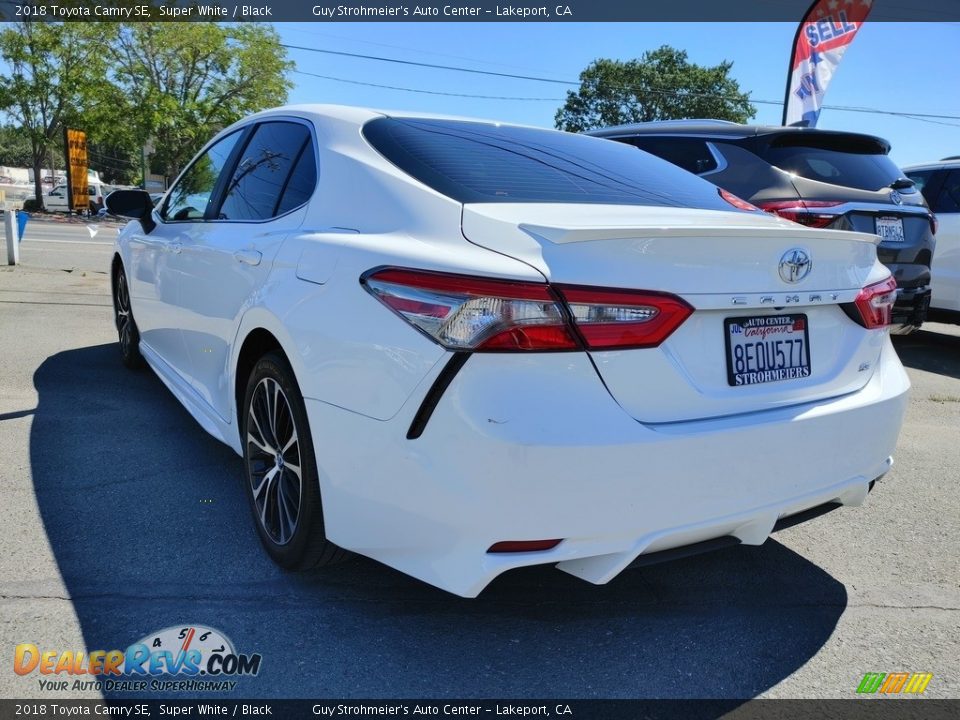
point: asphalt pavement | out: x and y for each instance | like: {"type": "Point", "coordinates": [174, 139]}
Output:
{"type": "Point", "coordinates": [121, 517]}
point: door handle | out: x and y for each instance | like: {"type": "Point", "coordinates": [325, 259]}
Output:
{"type": "Point", "coordinates": [248, 257]}
{"type": "Point", "coordinates": [175, 247]}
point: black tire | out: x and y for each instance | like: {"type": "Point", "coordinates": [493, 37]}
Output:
{"type": "Point", "coordinates": [286, 507]}
{"type": "Point", "coordinates": [127, 332]}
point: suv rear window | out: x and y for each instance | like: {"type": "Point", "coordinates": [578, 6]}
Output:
{"type": "Point", "coordinates": [692, 154]}
{"type": "Point", "coordinates": [474, 162]}
{"type": "Point", "coordinates": [852, 161]}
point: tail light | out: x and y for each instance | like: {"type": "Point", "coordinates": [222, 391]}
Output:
{"type": "Point", "coordinates": [802, 211]}
{"type": "Point", "coordinates": [737, 202]}
{"type": "Point", "coordinates": [934, 224]}
{"type": "Point", "coordinates": [875, 302]}
{"type": "Point", "coordinates": [468, 313]}
{"type": "Point", "coordinates": [623, 318]}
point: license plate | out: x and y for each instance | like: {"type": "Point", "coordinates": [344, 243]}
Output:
{"type": "Point", "coordinates": [767, 348]}
{"type": "Point", "coordinates": [890, 229]}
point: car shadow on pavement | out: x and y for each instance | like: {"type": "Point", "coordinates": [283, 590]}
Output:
{"type": "Point", "coordinates": [150, 528]}
{"type": "Point", "coordinates": [934, 352]}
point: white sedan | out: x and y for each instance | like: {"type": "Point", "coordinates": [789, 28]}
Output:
{"type": "Point", "coordinates": [461, 347]}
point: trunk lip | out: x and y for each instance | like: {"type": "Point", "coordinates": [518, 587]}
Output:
{"type": "Point", "coordinates": [622, 222]}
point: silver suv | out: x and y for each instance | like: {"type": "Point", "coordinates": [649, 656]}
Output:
{"type": "Point", "coordinates": [819, 178]}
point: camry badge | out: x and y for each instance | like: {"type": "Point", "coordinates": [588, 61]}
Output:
{"type": "Point", "coordinates": [795, 265]}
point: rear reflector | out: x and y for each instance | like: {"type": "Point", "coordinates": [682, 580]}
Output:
{"type": "Point", "coordinates": [466, 313]}
{"type": "Point", "coordinates": [802, 211]}
{"type": "Point", "coordinates": [516, 546]}
{"type": "Point", "coordinates": [875, 304]}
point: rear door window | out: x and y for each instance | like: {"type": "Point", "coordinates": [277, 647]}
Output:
{"type": "Point", "coordinates": [948, 201]}
{"type": "Point", "coordinates": [258, 184]}
{"type": "Point", "coordinates": [850, 161]}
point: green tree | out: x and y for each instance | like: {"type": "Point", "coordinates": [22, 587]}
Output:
{"type": "Point", "coordinates": [15, 149]}
{"type": "Point", "coordinates": [661, 85]}
{"type": "Point", "coordinates": [56, 72]}
{"type": "Point", "coordinates": [182, 82]}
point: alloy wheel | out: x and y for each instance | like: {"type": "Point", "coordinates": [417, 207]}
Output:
{"type": "Point", "coordinates": [274, 461]}
{"type": "Point", "coordinates": [124, 319]}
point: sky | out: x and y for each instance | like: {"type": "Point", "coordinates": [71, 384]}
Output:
{"type": "Point", "coordinates": [903, 67]}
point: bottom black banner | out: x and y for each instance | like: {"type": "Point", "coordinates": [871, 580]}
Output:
{"type": "Point", "coordinates": [880, 708]}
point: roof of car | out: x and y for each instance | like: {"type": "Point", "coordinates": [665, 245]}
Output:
{"type": "Point", "coordinates": [716, 128]}
{"type": "Point", "coordinates": [951, 162]}
{"type": "Point", "coordinates": [361, 115]}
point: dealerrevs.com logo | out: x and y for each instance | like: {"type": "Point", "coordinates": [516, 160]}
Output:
{"type": "Point", "coordinates": [181, 658]}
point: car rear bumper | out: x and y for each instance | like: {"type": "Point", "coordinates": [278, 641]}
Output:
{"type": "Point", "coordinates": [533, 448]}
{"type": "Point", "coordinates": [910, 310]}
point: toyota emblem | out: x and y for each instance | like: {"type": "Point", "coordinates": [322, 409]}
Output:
{"type": "Point", "coordinates": [795, 265]}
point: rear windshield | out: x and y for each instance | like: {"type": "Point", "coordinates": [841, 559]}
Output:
{"type": "Point", "coordinates": [841, 160]}
{"type": "Point", "coordinates": [474, 162]}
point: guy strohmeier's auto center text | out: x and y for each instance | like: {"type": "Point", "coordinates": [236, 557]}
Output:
{"type": "Point", "coordinates": [230, 11]}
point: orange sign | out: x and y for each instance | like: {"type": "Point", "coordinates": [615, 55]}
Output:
{"type": "Point", "coordinates": [76, 144]}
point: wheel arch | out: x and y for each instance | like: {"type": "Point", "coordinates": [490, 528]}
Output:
{"type": "Point", "coordinates": [260, 332]}
{"type": "Point", "coordinates": [115, 264]}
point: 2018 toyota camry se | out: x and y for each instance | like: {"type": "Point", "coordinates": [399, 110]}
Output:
{"type": "Point", "coordinates": [460, 347]}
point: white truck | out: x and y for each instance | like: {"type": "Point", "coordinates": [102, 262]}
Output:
{"type": "Point", "coordinates": [56, 200]}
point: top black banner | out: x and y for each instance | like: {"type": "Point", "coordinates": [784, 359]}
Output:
{"type": "Point", "coordinates": [459, 11]}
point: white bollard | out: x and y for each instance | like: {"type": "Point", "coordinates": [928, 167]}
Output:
{"type": "Point", "coordinates": [13, 237]}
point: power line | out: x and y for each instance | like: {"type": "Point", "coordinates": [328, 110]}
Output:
{"type": "Point", "coordinates": [534, 78]}
{"type": "Point", "coordinates": [432, 66]}
{"type": "Point", "coordinates": [427, 92]}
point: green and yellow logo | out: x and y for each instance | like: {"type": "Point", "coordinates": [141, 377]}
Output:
{"type": "Point", "coordinates": [894, 683]}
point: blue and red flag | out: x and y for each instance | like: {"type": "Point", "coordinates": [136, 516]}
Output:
{"type": "Point", "coordinates": [824, 35]}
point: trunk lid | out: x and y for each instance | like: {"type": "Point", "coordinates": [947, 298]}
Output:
{"type": "Point", "coordinates": [726, 265]}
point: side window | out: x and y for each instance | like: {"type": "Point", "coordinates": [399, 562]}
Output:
{"type": "Point", "coordinates": [948, 201]}
{"type": "Point", "coordinates": [924, 181]}
{"type": "Point", "coordinates": [301, 183]}
{"type": "Point", "coordinates": [691, 154]}
{"type": "Point", "coordinates": [266, 171]}
{"type": "Point", "coordinates": [188, 199]}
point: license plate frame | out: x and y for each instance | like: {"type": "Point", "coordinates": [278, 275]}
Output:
{"type": "Point", "coordinates": [754, 326]}
{"type": "Point", "coordinates": [889, 228]}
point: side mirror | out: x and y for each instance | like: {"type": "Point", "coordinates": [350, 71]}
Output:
{"type": "Point", "coordinates": [134, 204]}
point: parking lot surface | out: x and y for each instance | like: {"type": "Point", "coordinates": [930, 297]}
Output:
{"type": "Point", "coordinates": [121, 517]}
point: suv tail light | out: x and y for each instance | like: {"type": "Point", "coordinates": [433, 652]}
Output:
{"type": "Point", "coordinates": [802, 211]}
{"type": "Point", "coordinates": [874, 304]}
{"type": "Point", "coordinates": [737, 202]}
{"type": "Point", "coordinates": [934, 224]}
{"type": "Point", "coordinates": [468, 313]}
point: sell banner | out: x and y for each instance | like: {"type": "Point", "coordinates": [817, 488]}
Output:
{"type": "Point", "coordinates": [824, 35]}
{"type": "Point", "coordinates": [75, 142]}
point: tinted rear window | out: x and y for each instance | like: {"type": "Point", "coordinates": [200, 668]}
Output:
{"type": "Point", "coordinates": [691, 154]}
{"type": "Point", "coordinates": [475, 162]}
{"type": "Point", "coordinates": [850, 161]}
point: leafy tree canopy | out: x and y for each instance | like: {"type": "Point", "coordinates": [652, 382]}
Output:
{"type": "Point", "coordinates": [182, 82]}
{"type": "Point", "coordinates": [661, 85]}
{"type": "Point", "coordinates": [55, 79]}
{"type": "Point", "coordinates": [15, 150]}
